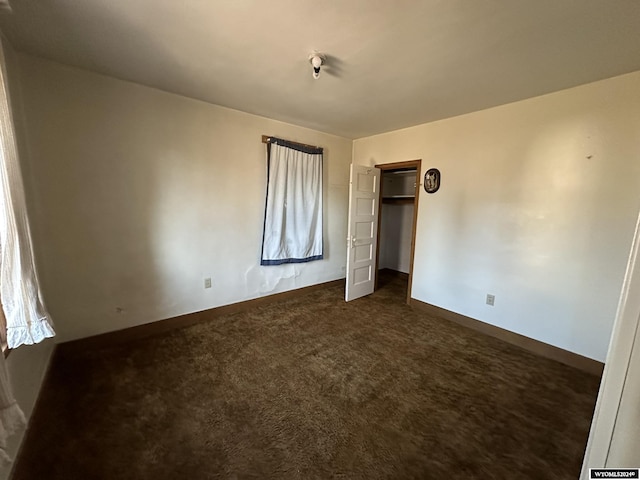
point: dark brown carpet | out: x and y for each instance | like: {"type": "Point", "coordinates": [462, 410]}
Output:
{"type": "Point", "coordinates": [312, 388]}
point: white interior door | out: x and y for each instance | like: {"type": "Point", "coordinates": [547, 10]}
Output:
{"type": "Point", "coordinates": [615, 428]}
{"type": "Point", "coordinates": [364, 193]}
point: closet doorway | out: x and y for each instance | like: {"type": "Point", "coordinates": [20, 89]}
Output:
{"type": "Point", "coordinates": [398, 213]}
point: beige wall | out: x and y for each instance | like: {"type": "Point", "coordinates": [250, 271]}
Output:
{"type": "Point", "coordinates": [537, 206]}
{"type": "Point", "coordinates": [396, 226]}
{"type": "Point", "coordinates": [27, 367]}
{"type": "Point", "coordinates": [138, 195]}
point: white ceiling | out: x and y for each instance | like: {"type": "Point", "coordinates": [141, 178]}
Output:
{"type": "Point", "coordinates": [392, 64]}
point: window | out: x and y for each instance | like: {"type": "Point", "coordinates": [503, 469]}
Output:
{"type": "Point", "coordinates": [293, 212]}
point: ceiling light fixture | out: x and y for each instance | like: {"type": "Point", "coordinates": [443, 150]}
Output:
{"type": "Point", "coordinates": [317, 60]}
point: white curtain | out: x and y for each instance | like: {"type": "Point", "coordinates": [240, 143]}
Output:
{"type": "Point", "coordinates": [293, 213]}
{"type": "Point", "coordinates": [27, 319]}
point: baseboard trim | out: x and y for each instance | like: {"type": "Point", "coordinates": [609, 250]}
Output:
{"type": "Point", "coordinates": [162, 326]}
{"type": "Point", "coordinates": [544, 349]}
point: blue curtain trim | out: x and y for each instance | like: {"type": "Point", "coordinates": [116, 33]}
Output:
{"type": "Point", "coordinates": [290, 260]}
{"type": "Point", "coordinates": [264, 223]}
{"type": "Point", "coordinates": [296, 146]}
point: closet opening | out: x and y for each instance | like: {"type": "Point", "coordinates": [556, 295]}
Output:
{"type": "Point", "coordinates": [398, 213]}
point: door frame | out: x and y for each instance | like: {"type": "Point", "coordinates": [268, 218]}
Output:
{"type": "Point", "coordinates": [406, 165]}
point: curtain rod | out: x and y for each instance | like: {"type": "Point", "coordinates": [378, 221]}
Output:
{"type": "Point", "coordinates": [267, 138]}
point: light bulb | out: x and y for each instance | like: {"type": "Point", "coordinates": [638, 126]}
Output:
{"type": "Point", "coordinates": [316, 61]}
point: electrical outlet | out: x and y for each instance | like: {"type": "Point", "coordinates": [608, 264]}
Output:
{"type": "Point", "coordinates": [491, 299]}
{"type": "Point", "coordinates": [207, 282]}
